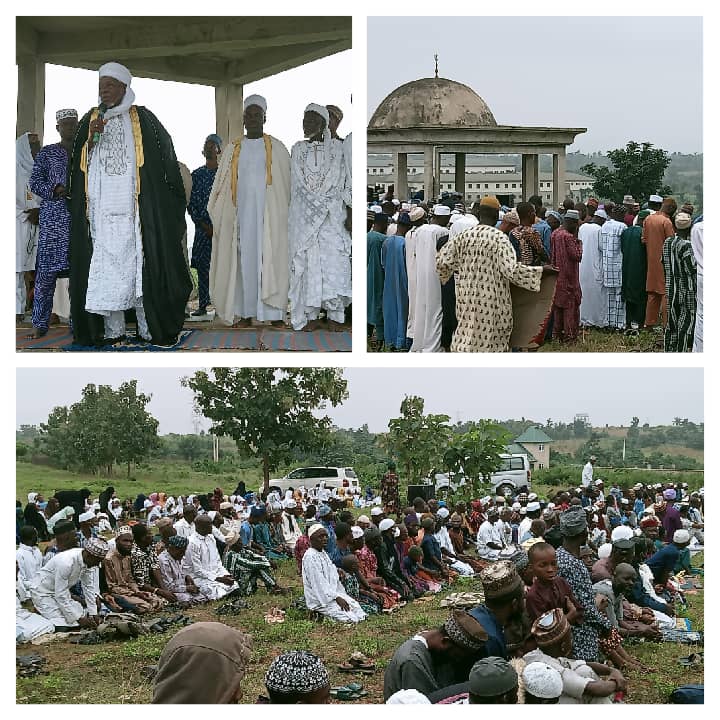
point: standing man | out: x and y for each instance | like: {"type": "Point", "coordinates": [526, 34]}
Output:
{"type": "Point", "coordinates": [612, 267]}
{"type": "Point", "coordinates": [49, 181]}
{"type": "Point", "coordinates": [389, 490]}
{"type": "Point", "coordinates": [655, 230]}
{"type": "Point", "coordinates": [587, 473]}
{"type": "Point", "coordinates": [594, 303]}
{"type": "Point", "coordinates": [319, 222]}
{"type": "Point", "coordinates": [249, 211]}
{"type": "Point", "coordinates": [634, 271]}
{"type": "Point", "coordinates": [202, 182]}
{"type": "Point", "coordinates": [395, 288]}
{"type": "Point", "coordinates": [336, 116]}
{"type": "Point", "coordinates": [680, 287]}
{"type": "Point", "coordinates": [27, 216]}
{"type": "Point", "coordinates": [376, 277]}
{"type": "Point", "coordinates": [696, 240]}
{"type": "Point", "coordinates": [566, 256]}
{"type": "Point", "coordinates": [127, 221]}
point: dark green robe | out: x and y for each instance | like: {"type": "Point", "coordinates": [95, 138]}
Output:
{"type": "Point", "coordinates": [634, 266]}
{"type": "Point", "coordinates": [166, 277]}
{"type": "Point", "coordinates": [375, 282]}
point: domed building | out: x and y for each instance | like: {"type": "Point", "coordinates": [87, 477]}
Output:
{"type": "Point", "coordinates": [436, 116]}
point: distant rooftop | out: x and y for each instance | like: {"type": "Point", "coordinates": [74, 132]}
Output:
{"type": "Point", "coordinates": [533, 435]}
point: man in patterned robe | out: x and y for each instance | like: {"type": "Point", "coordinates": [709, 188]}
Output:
{"type": "Point", "coordinates": [127, 222]}
{"type": "Point", "coordinates": [566, 256]}
{"type": "Point", "coordinates": [611, 257]}
{"type": "Point", "coordinates": [485, 264]}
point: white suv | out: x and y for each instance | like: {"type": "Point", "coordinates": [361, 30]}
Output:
{"type": "Point", "coordinates": [513, 473]}
{"type": "Point", "coordinates": [309, 477]}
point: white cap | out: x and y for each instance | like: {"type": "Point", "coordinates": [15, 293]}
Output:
{"type": "Point", "coordinates": [386, 524]}
{"type": "Point", "coordinates": [408, 697]}
{"type": "Point", "coordinates": [655, 198]}
{"type": "Point", "coordinates": [290, 504]}
{"type": "Point", "coordinates": [599, 482]}
{"type": "Point", "coordinates": [357, 532]}
{"type": "Point", "coordinates": [532, 496]}
{"type": "Point", "coordinates": [621, 532]}
{"type": "Point", "coordinates": [258, 100]}
{"type": "Point", "coordinates": [86, 516]}
{"type": "Point", "coordinates": [364, 519]}
{"type": "Point", "coordinates": [604, 550]}
{"type": "Point", "coordinates": [441, 210]}
{"type": "Point", "coordinates": [542, 681]}
{"type": "Point", "coordinates": [516, 506]}
{"type": "Point", "coordinates": [376, 511]}
{"type": "Point", "coordinates": [681, 536]}
{"type": "Point", "coordinates": [601, 214]}
{"type": "Point", "coordinates": [443, 512]}
{"type": "Point", "coordinates": [533, 506]}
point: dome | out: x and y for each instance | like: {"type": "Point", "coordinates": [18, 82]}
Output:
{"type": "Point", "coordinates": [432, 102]}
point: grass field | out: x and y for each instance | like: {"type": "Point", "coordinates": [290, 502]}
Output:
{"type": "Point", "coordinates": [112, 673]}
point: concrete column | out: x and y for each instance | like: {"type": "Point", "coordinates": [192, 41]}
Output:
{"type": "Point", "coordinates": [460, 173]}
{"type": "Point", "coordinates": [401, 176]}
{"type": "Point", "coordinates": [30, 97]}
{"type": "Point", "coordinates": [530, 176]}
{"type": "Point", "coordinates": [558, 178]}
{"type": "Point", "coordinates": [229, 111]}
{"type": "Point", "coordinates": [437, 175]}
{"type": "Point", "coordinates": [428, 153]}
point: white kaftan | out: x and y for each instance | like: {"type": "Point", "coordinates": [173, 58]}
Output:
{"type": "Point", "coordinates": [427, 302]}
{"type": "Point", "coordinates": [51, 592]}
{"type": "Point", "coordinates": [696, 240]}
{"type": "Point", "coordinates": [172, 574]}
{"type": "Point", "coordinates": [319, 244]}
{"type": "Point", "coordinates": [29, 625]}
{"type": "Point", "coordinates": [594, 303]}
{"type": "Point", "coordinates": [443, 538]}
{"type": "Point", "coordinates": [202, 562]}
{"type": "Point", "coordinates": [411, 268]}
{"type": "Point", "coordinates": [26, 235]}
{"type": "Point", "coordinates": [488, 533]}
{"type": "Point", "coordinates": [29, 560]}
{"type": "Point", "coordinates": [321, 584]}
{"type": "Point", "coordinates": [251, 231]}
{"type": "Point", "coordinates": [184, 528]}
{"type": "Point", "coordinates": [115, 275]}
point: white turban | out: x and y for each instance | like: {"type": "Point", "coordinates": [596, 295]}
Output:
{"type": "Point", "coordinates": [408, 697]}
{"type": "Point", "coordinates": [321, 110]}
{"type": "Point", "coordinates": [542, 681]}
{"type": "Point", "coordinates": [621, 532]}
{"type": "Point", "coordinates": [117, 71]}
{"type": "Point", "coordinates": [604, 550]}
{"type": "Point", "coordinates": [357, 532]}
{"type": "Point", "coordinates": [315, 528]}
{"type": "Point", "coordinates": [258, 100]}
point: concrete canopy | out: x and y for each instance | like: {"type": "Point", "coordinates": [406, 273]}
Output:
{"type": "Point", "coordinates": [222, 52]}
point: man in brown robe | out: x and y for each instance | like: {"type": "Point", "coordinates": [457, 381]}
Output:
{"type": "Point", "coordinates": [655, 230]}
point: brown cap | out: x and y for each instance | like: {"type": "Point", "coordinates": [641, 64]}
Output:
{"type": "Point", "coordinates": [550, 628]}
{"type": "Point", "coordinates": [500, 579]}
{"type": "Point", "coordinates": [465, 631]}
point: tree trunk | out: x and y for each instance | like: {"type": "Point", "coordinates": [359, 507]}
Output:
{"type": "Point", "coordinates": [266, 473]}
{"type": "Point", "coordinates": [128, 469]}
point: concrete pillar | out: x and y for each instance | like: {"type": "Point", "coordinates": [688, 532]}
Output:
{"type": "Point", "coordinates": [558, 178]}
{"type": "Point", "coordinates": [428, 153]}
{"type": "Point", "coordinates": [401, 177]}
{"type": "Point", "coordinates": [30, 97]}
{"type": "Point", "coordinates": [437, 175]}
{"type": "Point", "coordinates": [460, 173]}
{"type": "Point", "coordinates": [229, 111]}
{"type": "Point", "coordinates": [530, 176]}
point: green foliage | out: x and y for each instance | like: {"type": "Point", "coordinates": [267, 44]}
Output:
{"type": "Point", "coordinates": [417, 440]}
{"type": "Point", "coordinates": [637, 169]}
{"type": "Point", "coordinates": [476, 453]}
{"type": "Point", "coordinates": [566, 476]}
{"type": "Point", "coordinates": [21, 450]}
{"type": "Point", "coordinates": [104, 428]}
{"type": "Point", "coordinates": [268, 411]}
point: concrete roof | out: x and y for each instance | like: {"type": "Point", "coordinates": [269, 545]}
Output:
{"type": "Point", "coordinates": [432, 102]}
{"type": "Point", "coordinates": [205, 50]}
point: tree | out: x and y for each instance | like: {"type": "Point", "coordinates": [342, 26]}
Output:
{"type": "Point", "coordinates": [106, 427]}
{"type": "Point", "coordinates": [269, 412]}
{"type": "Point", "coordinates": [476, 453]}
{"type": "Point", "coordinates": [637, 169]}
{"type": "Point", "coordinates": [418, 441]}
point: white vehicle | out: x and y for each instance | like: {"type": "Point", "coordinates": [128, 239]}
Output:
{"type": "Point", "coordinates": [513, 473]}
{"type": "Point", "coordinates": [309, 477]}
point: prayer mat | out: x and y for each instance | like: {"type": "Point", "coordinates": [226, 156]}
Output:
{"type": "Point", "coordinates": [531, 312]}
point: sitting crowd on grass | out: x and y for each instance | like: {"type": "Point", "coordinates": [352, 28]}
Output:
{"type": "Point", "coordinates": [566, 585]}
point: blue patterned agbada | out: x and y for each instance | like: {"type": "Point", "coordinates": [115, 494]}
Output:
{"type": "Point", "coordinates": [202, 182]}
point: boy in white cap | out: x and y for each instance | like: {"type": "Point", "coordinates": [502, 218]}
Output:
{"type": "Point", "coordinates": [248, 207]}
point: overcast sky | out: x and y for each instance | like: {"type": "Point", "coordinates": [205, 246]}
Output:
{"type": "Point", "coordinates": [623, 78]}
{"type": "Point", "coordinates": [609, 395]}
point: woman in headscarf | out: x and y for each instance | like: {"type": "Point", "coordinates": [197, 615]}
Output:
{"type": "Point", "coordinates": [139, 504]}
{"type": "Point", "coordinates": [35, 518]}
{"type": "Point", "coordinates": [202, 664]}
{"type": "Point", "coordinates": [104, 500]}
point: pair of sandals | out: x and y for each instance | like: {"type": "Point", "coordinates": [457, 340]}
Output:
{"type": "Point", "coordinates": [692, 660]}
{"type": "Point", "coordinates": [351, 691]}
{"type": "Point", "coordinates": [358, 663]}
{"type": "Point", "coordinates": [275, 615]}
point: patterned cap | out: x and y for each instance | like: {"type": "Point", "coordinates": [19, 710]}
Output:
{"type": "Point", "coordinates": [465, 631]}
{"type": "Point", "coordinates": [177, 541]}
{"type": "Point", "coordinates": [542, 681]}
{"type": "Point", "coordinates": [500, 579]}
{"type": "Point", "coordinates": [64, 114]}
{"type": "Point", "coordinates": [96, 546]}
{"type": "Point", "coordinates": [296, 671]}
{"type": "Point", "coordinates": [550, 628]}
{"type": "Point", "coordinates": [573, 522]}
{"type": "Point", "coordinates": [123, 530]}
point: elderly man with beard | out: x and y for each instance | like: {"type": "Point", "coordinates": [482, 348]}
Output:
{"type": "Point", "coordinates": [319, 217]}
{"type": "Point", "coordinates": [127, 221]}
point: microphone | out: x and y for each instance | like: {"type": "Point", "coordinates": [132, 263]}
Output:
{"type": "Point", "coordinates": [102, 109]}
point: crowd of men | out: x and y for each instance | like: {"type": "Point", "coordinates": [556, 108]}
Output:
{"type": "Point", "coordinates": [567, 582]}
{"type": "Point", "coordinates": [101, 232]}
{"type": "Point", "coordinates": [439, 276]}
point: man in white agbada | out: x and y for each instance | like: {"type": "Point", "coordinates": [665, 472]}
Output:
{"type": "Point", "coordinates": [489, 538]}
{"type": "Point", "coordinates": [427, 298]}
{"type": "Point", "coordinates": [248, 207]}
{"type": "Point", "coordinates": [51, 592]}
{"type": "Point", "coordinates": [290, 528]}
{"type": "Point", "coordinates": [28, 557]}
{"type": "Point", "coordinates": [202, 562]}
{"type": "Point", "coordinates": [594, 303]}
{"type": "Point", "coordinates": [443, 538]}
{"type": "Point", "coordinates": [324, 593]}
{"type": "Point", "coordinates": [319, 222]}
{"type": "Point", "coordinates": [27, 217]}
{"type": "Point", "coordinates": [587, 472]}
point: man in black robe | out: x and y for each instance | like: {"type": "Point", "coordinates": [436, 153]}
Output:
{"type": "Point", "coordinates": [157, 286]}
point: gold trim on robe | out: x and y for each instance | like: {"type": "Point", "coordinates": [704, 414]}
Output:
{"type": "Point", "coordinates": [235, 159]}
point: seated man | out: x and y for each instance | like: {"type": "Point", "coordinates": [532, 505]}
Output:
{"type": "Point", "coordinates": [172, 572]}
{"type": "Point", "coordinates": [582, 681]}
{"type": "Point", "coordinates": [28, 557]}
{"type": "Point", "coordinates": [202, 562]}
{"type": "Point", "coordinates": [492, 681]}
{"type": "Point", "coordinates": [324, 592]}
{"type": "Point", "coordinates": [145, 565]}
{"type": "Point", "coordinates": [435, 659]}
{"type": "Point", "coordinates": [186, 525]}
{"type": "Point", "coordinates": [119, 577]}
{"type": "Point", "coordinates": [489, 540]}
{"type": "Point", "coordinates": [51, 593]}
{"type": "Point", "coordinates": [248, 567]}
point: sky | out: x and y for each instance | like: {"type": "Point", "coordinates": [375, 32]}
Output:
{"type": "Point", "coordinates": [609, 395]}
{"type": "Point", "coordinates": [620, 77]}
